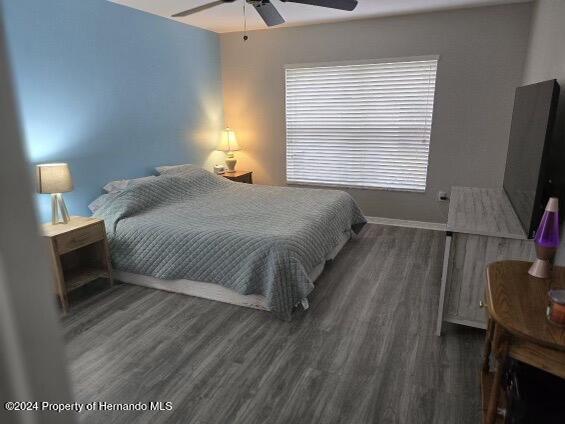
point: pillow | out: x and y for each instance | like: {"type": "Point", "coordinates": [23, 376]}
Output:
{"type": "Point", "coordinates": [119, 185]}
{"type": "Point", "coordinates": [101, 200]}
{"type": "Point", "coordinates": [174, 169]}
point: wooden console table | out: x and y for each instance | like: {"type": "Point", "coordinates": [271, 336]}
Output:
{"type": "Point", "coordinates": [518, 328]}
{"type": "Point", "coordinates": [482, 227]}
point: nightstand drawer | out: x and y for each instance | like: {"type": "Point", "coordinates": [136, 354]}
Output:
{"type": "Point", "coordinates": [81, 237]}
{"type": "Point", "coordinates": [244, 179]}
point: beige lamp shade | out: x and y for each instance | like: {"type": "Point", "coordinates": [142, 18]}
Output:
{"type": "Point", "coordinates": [54, 178]}
{"type": "Point", "coordinates": [228, 143]}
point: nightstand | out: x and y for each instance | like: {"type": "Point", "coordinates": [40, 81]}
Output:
{"type": "Point", "coordinates": [79, 254]}
{"type": "Point", "coordinates": [239, 176]}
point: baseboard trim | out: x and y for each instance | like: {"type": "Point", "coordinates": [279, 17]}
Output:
{"type": "Point", "coordinates": [435, 226]}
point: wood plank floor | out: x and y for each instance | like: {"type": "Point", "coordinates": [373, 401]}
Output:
{"type": "Point", "coordinates": [365, 352]}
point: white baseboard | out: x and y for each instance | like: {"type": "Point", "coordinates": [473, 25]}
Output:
{"type": "Point", "coordinates": [436, 226]}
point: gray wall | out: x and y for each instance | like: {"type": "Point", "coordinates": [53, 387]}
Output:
{"type": "Point", "coordinates": [546, 53]}
{"type": "Point", "coordinates": [482, 53]}
{"type": "Point", "coordinates": [546, 60]}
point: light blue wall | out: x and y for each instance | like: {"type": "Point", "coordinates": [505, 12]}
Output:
{"type": "Point", "coordinates": [111, 90]}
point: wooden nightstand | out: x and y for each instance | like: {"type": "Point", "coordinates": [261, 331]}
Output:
{"type": "Point", "coordinates": [79, 254]}
{"type": "Point", "coordinates": [239, 176]}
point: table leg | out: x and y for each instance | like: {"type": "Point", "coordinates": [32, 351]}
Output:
{"type": "Point", "coordinates": [488, 346]}
{"type": "Point", "coordinates": [60, 286]}
{"type": "Point", "coordinates": [444, 282]}
{"type": "Point", "coordinates": [108, 261]}
{"type": "Point", "coordinates": [500, 347]}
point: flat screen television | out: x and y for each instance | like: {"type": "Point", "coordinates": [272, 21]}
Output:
{"type": "Point", "coordinates": [534, 160]}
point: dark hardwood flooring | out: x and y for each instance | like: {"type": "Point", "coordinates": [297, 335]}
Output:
{"type": "Point", "coordinates": [365, 351]}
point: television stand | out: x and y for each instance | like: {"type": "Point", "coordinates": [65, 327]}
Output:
{"type": "Point", "coordinates": [482, 227]}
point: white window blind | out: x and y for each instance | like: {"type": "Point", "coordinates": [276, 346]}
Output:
{"type": "Point", "coordinates": [360, 125]}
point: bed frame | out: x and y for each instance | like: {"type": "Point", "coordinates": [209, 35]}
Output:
{"type": "Point", "coordinates": [217, 292]}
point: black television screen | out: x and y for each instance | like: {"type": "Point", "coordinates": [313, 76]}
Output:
{"type": "Point", "coordinates": [529, 171]}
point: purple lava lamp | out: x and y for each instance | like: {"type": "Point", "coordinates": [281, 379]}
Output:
{"type": "Point", "coordinates": [547, 240]}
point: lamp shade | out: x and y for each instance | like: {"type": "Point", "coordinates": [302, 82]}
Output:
{"type": "Point", "coordinates": [54, 178]}
{"type": "Point", "coordinates": [228, 143]}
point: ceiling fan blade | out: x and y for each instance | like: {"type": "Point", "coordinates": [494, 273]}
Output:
{"type": "Point", "coordinates": [332, 4]}
{"type": "Point", "coordinates": [269, 13]}
{"type": "Point", "coordinates": [200, 8]}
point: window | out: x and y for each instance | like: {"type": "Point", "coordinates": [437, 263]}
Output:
{"type": "Point", "coordinates": [360, 125]}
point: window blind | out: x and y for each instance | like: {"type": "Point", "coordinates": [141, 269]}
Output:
{"type": "Point", "coordinates": [360, 125]}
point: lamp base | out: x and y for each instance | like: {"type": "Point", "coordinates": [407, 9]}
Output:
{"type": "Point", "coordinates": [540, 269]}
{"type": "Point", "coordinates": [230, 162]}
{"type": "Point", "coordinates": [59, 212]}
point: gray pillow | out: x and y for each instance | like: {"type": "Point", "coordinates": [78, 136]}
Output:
{"type": "Point", "coordinates": [175, 169]}
{"type": "Point", "coordinates": [101, 200]}
{"type": "Point", "coordinates": [119, 185]}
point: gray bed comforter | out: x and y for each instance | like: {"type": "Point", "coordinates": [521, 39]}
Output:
{"type": "Point", "coordinates": [250, 238]}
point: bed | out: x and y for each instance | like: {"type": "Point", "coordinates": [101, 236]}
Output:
{"type": "Point", "coordinates": [197, 233]}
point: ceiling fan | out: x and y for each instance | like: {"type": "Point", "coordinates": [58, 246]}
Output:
{"type": "Point", "coordinates": [269, 13]}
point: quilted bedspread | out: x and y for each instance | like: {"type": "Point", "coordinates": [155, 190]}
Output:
{"type": "Point", "coordinates": [250, 238]}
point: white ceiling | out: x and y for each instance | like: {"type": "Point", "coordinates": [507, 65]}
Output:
{"type": "Point", "coordinates": [229, 17]}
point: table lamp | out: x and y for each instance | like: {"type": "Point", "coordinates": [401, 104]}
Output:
{"type": "Point", "coordinates": [55, 179]}
{"type": "Point", "coordinates": [546, 240]}
{"type": "Point", "coordinates": [228, 144]}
